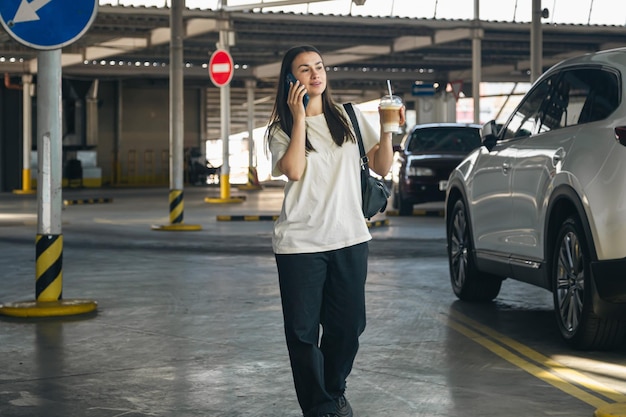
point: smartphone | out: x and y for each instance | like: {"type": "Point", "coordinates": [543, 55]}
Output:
{"type": "Point", "coordinates": [292, 80]}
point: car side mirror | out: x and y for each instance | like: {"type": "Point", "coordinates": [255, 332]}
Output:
{"type": "Point", "coordinates": [620, 135]}
{"type": "Point", "coordinates": [489, 134]}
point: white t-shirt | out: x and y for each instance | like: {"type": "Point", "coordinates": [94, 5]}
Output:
{"type": "Point", "coordinates": [322, 211]}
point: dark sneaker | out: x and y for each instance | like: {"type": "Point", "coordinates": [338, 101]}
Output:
{"type": "Point", "coordinates": [343, 407]}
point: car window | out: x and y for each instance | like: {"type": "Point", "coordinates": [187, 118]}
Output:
{"type": "Point", "coordinates": [555, 109]}
{"type": "Point", "coordinates": [602, 97]}
{"type": "Point", "coordinates": [571, 97]}
{"type": "Point", "coordinates": [444, 139]}
{"type": "Point", "coordinates": [523, 121]}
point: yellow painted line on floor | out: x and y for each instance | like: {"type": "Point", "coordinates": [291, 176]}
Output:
{"type": "Point", "coordinates": [566, 372]}
{"type": "Point", "coordinates": [552, 372]}
{"type": "Point", "coordinates": [378, 223]}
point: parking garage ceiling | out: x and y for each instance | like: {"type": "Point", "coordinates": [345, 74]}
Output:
{"type": "Point", "coordinates": [360, 52]}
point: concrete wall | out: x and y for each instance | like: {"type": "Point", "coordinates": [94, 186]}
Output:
{"type": "Point", "coordinates": [134, 134]}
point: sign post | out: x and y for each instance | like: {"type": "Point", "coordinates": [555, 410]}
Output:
{"type": "Point", "coordinates": [48, 25]}
{"type": "Point", "coordinates": [221, 70]}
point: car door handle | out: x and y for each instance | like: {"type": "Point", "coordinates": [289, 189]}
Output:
{"type": "Point", "coordinates": [506, 167]}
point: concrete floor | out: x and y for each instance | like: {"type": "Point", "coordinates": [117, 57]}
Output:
{"type": "Point", "coordinates": [189, 323]}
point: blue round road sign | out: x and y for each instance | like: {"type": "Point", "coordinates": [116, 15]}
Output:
{"type": "Point", "coordinates": [47, 24]}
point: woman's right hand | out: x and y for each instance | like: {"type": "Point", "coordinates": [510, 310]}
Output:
{"type": "Point", "coordinates": [294, 160]}
{"type": "Point", "coordinates": [295, 99]}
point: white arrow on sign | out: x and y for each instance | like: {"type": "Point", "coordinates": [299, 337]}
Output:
{"type": "Point", "coordinates": [27, 12]}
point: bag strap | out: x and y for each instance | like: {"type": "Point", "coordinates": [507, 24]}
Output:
{"type": "Point", "coordinates": [357, 131]}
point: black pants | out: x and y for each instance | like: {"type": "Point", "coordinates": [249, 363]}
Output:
{"type": "Point", "coordinates": [326, 289]}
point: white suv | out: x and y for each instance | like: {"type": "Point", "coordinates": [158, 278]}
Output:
{"type": "Point", "coordinates": [543, 200]}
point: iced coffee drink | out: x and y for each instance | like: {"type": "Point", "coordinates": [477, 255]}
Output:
{"type": "Point", "coordinates": [390, 108]}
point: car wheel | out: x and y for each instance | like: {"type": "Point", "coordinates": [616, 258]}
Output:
{"type": "Point", "coordinates": [579, 325]}
{"type": "Point", "coordinates": [405, 207]}
{"type": "Point", "coordinates": [468, 283]}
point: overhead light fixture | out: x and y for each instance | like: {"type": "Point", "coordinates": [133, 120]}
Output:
{"type": "Point", "coordinates": [358, 2]}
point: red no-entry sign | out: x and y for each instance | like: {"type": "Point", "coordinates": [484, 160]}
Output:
{"type": "Point", "coordinates": [221, 68]}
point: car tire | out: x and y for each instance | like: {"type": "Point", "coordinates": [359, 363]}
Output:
{"type": "Point", "coordinates": [405, 207]}
{"type": "Point", "coordinates": [572, 293]}
{"type": "Point", "coordinates": [468, 283]}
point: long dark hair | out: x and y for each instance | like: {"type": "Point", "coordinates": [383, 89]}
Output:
{"type": "Point", "coordinates": [281, 115]}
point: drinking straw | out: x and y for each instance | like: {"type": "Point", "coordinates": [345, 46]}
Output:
{"type": "Point", "coordinates": [389, 88]}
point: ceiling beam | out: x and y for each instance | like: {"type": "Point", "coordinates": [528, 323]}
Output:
{"type": "Point", "coordinates": [262, 5]}
{"type": "Point", "coordinates": [125, 45]}
{"type": "Point", "coordinates": [407, 43]}
{"type": "Point", "coordinates": [340, 56]}
{"type": "Point", "coordinates": [358, 53]}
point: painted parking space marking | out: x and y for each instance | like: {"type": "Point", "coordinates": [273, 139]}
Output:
{"type": "Point", "coordinates": [538, 365]}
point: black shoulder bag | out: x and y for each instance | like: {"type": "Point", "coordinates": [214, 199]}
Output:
{"type": "Point", "coordinates": [375, 192]}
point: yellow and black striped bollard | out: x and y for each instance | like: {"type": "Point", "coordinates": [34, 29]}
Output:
{"type": "Point", "coordinates": [177, 215]}
{"type": "Point", "coordinates": [48, 285]}
{"type": "Point", "coordinates": [49, 268]}
{"type": "Point", "coordinates": [176, 206]}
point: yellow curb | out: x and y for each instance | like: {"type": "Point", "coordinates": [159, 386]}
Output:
{"type": "Point", "coordinates": [178, 227]}
{"type": "Point", "coordinates": [87, 201]}
{"type": "Point", "coordinates": [249, 187]}
{"type": "Point", "coordinates": [246, 218]}
{"type": "Point", "coordinates": [224, 200]}
{"type": "Point", "coordinates": [378, 223]}
{"type": "Point", "coordinates": [48, 308]}
{"type": "Point", "coordinates": [611, 410]}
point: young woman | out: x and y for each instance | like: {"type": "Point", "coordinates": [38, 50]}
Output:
{"type": "Point", "coordinates": [320, 238]}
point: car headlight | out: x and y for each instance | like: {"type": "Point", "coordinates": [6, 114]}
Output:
{"type": "Point", "coordinates": [419, 172]}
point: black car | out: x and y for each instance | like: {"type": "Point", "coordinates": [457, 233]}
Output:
{"type": "Point", "coordinates": [424, 160]}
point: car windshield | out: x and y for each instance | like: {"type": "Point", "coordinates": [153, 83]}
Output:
{"type": "Point", "coordinates": [444, 139]}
